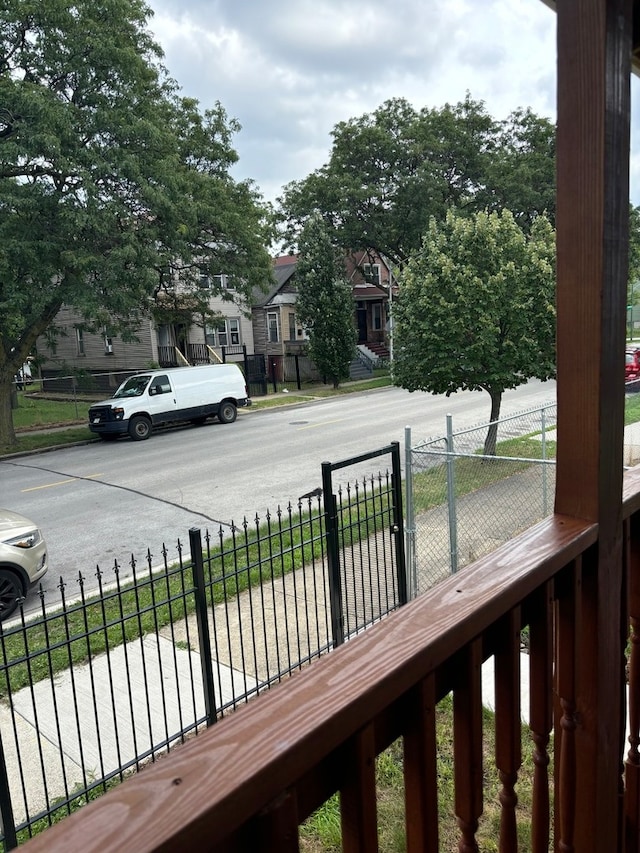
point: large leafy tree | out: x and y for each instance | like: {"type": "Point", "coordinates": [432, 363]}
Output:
{"type": "Point", "coordinates": [108, 177]}
{"type": "Point", "coordinates": [476, 308]}
{"type": "Point", "coordinates": [324, 304]}
{"type": "Point", "coordinates": [391, 171]}
{"type": "Point", "coordinates": [520, 174]}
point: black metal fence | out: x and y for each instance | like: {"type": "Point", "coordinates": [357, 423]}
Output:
{"type": "Point", "coordinates": [97, 685]}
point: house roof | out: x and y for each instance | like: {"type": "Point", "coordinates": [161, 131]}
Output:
{"type": "Point", "coordinates": [283, 268]}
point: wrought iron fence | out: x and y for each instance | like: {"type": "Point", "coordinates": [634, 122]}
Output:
{"type": "Point", "coordinates": [464, 502]}
{"type": "Point", "coordinates": [96, 686]}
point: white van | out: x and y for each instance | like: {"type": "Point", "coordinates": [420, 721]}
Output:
{"type": "Point", "coordinates": [159, 397]}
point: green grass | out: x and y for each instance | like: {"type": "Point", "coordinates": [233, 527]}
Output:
{"type": "Point", "coordinates": [247, 558]}
{"type": "Point", "coordinates": [33, 412]}
{"type": "Point", "coordinates": [44, 440]}
{"type": "Point", "coordinates": [631, 409]}
{"type": "Point", "coordinates": [471, 474]}
{"type": "Point", "coordinates": [321, 832]}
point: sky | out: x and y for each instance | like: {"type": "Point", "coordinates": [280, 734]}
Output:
{"type": "Point", "coordinates": [290, 70]}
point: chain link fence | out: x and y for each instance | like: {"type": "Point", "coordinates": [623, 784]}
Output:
{"type": "Point", "coordinates": [463, 503]}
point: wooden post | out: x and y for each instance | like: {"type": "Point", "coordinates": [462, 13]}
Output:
{"type": "Point", "coordinates": [594, 64]}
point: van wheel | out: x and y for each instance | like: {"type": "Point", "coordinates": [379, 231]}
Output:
{"type": "Point", "coordinates": [139, 428]}
{"type": "Point", "coordinates": [227, 412]}
{"type": "Point", "coordinates": [11, 592]}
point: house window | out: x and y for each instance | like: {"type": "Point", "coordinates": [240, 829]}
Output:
{"type": "Point", "coordinates": [273, 331]}
{"type": "Point", "coordinates": [222, 282]}
{"type": "Point", "coordinates": [224, 333]}
{"type": "Point", "coordinates": [371, 273]}
{"type": "Point", "coordinates": [292, 327]}
{"type": "Point", "coordinates": [376, 316]}
{"type": "Point", "coordinates": [79, 342]}
{"type": "Point", "coordinates": [205, 281]}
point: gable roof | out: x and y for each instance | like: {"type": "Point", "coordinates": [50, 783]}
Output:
{"type": "Point", "coordinates": [283, 269]}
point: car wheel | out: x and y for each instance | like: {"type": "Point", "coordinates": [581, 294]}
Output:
{"type": "Point", "coordinates": [139, 428]}
{"type": "Point", "coordinates": [227, 412]}
{"type": "Point", "coordinates": [10, 592]}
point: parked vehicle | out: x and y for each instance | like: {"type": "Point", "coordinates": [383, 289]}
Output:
{"type": "Point", "coordinates": [23, 559]}
{"type": "Point", "coordinates": [632, 364]}
{"type": "Point", "coordinates": [147, 400]}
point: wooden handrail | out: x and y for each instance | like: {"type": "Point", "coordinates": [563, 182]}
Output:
{"type": "Point", "coordinates": [293, 747]}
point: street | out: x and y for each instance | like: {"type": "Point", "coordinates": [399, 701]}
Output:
{"type": "Point", "coordinates": [105, 502]}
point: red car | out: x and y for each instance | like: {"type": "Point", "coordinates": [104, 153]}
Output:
{"type": "Point", "coordinates": [632, 364]}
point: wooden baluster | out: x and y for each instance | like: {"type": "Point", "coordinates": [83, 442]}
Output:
{"type": "Point", "coordinates": [420, 769]}
{"type": "Point", "coordinates": [467, 747]}
{"type": "Point", "coordinates": [632, 763]}
{"type": "Point", "coordinates": [274, 829]}
{"type": "Point", "coordinates": [358, 796]}
{"type": "Point", "coordinates": [541, 711]}
{"type": "Point", "coordinates": [508, 725]}
{"type": "Point", "coordinates": [565, 747]}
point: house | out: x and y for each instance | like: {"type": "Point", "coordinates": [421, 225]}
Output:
{"type": "Point", "coordinates": [277, 333]}
{"type": "Point", "coordinates": [573, 581]}
{"type": "Point", "coordinates": [374, 288]}
{"type": "Point", "coordinates": [173, 333]}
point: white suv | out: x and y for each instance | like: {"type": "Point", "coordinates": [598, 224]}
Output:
{"type": "Point", "coordinates": [23, 559]}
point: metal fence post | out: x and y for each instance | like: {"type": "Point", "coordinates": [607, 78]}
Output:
{"type": "Point", "coordinates": [398, 524]}
{"type": "Point", "coordinates": [298, 382]}
{"type": "Point", "coordinates": [451, 498]}
{"type": "Point", "coordinates": [410, 521]}
{"type": "Point", "coordinates": [6, 809]}
{"type": "Point", "coordinates": [202, 617]}
{"type": "Point", "coordinates": [333, 559]}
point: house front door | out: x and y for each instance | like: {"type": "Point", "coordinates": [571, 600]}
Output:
{"type": "Point", "coordinates": [362, 325]}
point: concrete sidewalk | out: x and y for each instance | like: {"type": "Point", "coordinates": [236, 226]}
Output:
{"type": "Point", "coordinates": [89, 722]}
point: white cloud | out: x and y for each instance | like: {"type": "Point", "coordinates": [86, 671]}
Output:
{"type": "Point", "coordinates": [290, 70]}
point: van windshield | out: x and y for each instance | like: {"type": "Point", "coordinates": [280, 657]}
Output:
{"type": "Point", "coordinates": [133, 387]}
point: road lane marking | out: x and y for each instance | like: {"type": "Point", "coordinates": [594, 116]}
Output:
{"type": "Point", "coordinates": [60, 483]}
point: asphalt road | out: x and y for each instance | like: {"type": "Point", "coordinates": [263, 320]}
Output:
{"type": "Point", "coordinates": [106, 502]}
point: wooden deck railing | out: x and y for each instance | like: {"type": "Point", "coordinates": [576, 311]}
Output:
{"type": "Point", "coordinates": [251, 779]}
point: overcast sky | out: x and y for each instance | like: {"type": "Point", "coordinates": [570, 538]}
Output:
{"type": "Point", "coordinates": [290, 70]}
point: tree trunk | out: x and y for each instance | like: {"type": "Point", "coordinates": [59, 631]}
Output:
{"type": "Point", "coordinates": [492, 432]}
{"type": "Point", "coordinates": [7, 434]}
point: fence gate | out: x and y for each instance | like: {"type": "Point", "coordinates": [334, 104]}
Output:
{"type": "Point", "coordinates": [365, 544]}
{"type": "Point", "coordinates": [256, 371]}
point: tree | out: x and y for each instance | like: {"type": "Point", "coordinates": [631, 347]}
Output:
{"type": "Point", "coordinates": [108, 177]}
{"type": "Point", "coordinates": [633, 290]}
{"type": "Point", "coordinates": [324, 304]}
{"type": "Point", "coordinates": [521, 171]}
{"type": "Point", "coordinates": [390, 171]}
{"type": "Point", "coordinates": [476, 309]}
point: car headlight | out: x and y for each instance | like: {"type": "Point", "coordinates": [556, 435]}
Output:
{"type": "Point", "coordinates": [118, 413]}
{"type": "Point", "coordinates": [26, 540]}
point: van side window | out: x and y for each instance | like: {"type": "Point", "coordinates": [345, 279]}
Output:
{"type": "Point", "coordinates": [160, 385]}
